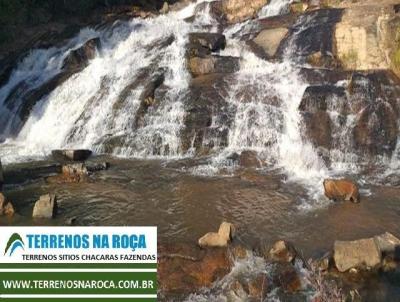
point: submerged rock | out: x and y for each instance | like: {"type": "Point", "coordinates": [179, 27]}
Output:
{"type": "Point", "coordinates": [71, 173]}
{"type": "Point", "coordinates": [186, 269]}
{"type": "Point", "coordinates": [341, 190]}
{"type": "Point", "coordinates": [70, 154]}
{"type": "Point", "coordinates": [45, 207]}
{"type": "Point", "coordinates": [287, 277]}
{"type": "Point", "coordinates": [220, 239]}
{"type": "Point", "coordinates": [249, 159]}
{"type": "Point", "coordinates": [359, 254]}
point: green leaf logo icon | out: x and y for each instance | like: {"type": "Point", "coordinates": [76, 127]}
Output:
{"type": "Point", "coordinates": [13, 243]}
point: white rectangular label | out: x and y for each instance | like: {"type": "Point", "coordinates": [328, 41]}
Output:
{"type": "Point", "coordinates": [78, 245]}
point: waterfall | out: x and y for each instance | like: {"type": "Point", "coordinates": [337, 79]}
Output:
{"type": "Point", "coordinates": [101, 106]}
{"type": "Point", "coordinates": [88, 110]}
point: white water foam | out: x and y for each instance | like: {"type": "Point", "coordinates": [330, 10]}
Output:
{"type": "Point", "coordinates": [81, 112]}
{"type": "Point", "coordinates": [274, 8]}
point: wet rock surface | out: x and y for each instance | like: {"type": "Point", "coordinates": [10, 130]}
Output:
{"type": "Point", "coordinates": [185, 269]}
{"type": "Point", "coordinates": [341, 190]}
{"type": "Point", "coordinates": [71, 155]}
{"type": "Point", "coordinates": [6, 207]}
{"type": "Point", "coordinates": [45, 207]}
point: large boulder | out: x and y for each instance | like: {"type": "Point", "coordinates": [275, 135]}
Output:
{"type": "Point", "coordinates": [71, 154]}
{"type": "Point", "coordinates": [269, 40]}
{"type": "Point", "coordinates": [341, 190]}
{"type": "Point", "coordinates": [220, 239]}
{"type": "Point", "coordinates": [363, 253]}
{"type": "Point", "coordinates": [213, 64]}
{"type": "Point", "coordinates": [45, 207]}
{"type": "Point", "coordinates": [186, 269]}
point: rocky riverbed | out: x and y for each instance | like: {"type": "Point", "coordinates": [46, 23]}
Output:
{"type": "Point", "coordinates": [280, 117]}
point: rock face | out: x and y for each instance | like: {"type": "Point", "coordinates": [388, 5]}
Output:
{"type": "Point", "coordinates": [74, 155]}
{"type": "Point", "coordinates": [240, 10]}
{"type": "Point", "coordinates": [366, 37]}
{"type": "Point", "coordinates": [79, 58]}
{"type": "Point", "coordinates": [282, 251]}
{"type": "Point", "coordinates": [45, 207]}
{"type": "Point", "coordinates": [6, 207]}
{"type": "Point", "coordinates": [341, 190]}
{"type": "Point", "coordinates": [186, 269]}
{"type": "Point", "coordinates": [356, 254]}
{"type": "Point", "coordinates": [207, 96]}
{"type": "Point", "coordinates": [220, 239]}
{"type": "Point", "coordinates": [365, 110]}
{"type": "Point", "coordinates": [376, 129]}
{"type": "Point", "coordinates": [270, 40]}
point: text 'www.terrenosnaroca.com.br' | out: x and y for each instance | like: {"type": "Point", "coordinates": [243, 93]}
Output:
{"type": "Point", "coordinates": [75, 284]}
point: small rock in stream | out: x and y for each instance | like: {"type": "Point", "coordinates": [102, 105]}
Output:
{"type": "Point", "coordinates": [45, 207]}
{"type": "Point", "coordinates": [220, 239]}
{"type": "Point", "coordinates": [6, 207]}
{"type": "Point", "coordinates": [341, 189]}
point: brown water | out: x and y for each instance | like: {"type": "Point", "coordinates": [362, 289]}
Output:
{"type": "Point", "coordinates": [184, 206]}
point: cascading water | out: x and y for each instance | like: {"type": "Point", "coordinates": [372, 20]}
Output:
{"type": "Point", "coordinates": [275, 7]}
{"type": "Point", "coordinates": [88, 111]}
{"type": "Point", "coordinates": [101, 106]}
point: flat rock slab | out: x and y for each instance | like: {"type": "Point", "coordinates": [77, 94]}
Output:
{"type": "Point", "coordinates": [74, 155]}
{"type": "Point", "coordinates": [356, 254]}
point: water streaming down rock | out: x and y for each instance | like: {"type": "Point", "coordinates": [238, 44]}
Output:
{"type": "Point", "coordinates": [98, 107]}
{"type": "Point", "coordinates": [136, 98]}
{"type": "Point", "coordinates": [275, 7]}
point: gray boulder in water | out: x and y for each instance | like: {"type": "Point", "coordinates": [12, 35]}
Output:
{"type": "Point", "coordinates": [74, 155]}
{"type": "Point", "coordinates": [356, 254]}
{"type": "Point", "coordinates": [45, 207]}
